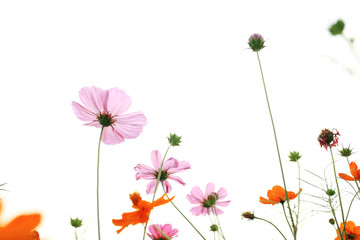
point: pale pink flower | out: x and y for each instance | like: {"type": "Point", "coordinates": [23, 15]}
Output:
{"type": "Point", "coordinates": [170, 167]}
{"type": "Point", "coordinates": [167, 229]}
{"type": "Point", "coordinates": [209, 201]}
{"type": "Point", "coordinates": [105, 108]}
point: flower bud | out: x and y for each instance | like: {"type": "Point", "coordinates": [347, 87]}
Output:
{"type": "Point", "coordinates": [337, 28]}
{"type": "Point", "coordinates": [328, 138]}
{"type": "Point", "coordinates": [330, 192]}
{"type": "Point", "coordinates": [248, 215]}
{"type": "Point", "coordinates": [294, 156]}
{"type": "Point", "coordinates": [331, 221]}
{"type": "Point", "coordinates": [214, 228]}
{"type": "Point", "coordinates": [346, 152]}
{"type": "Point", "coordinates": [174, 140]}
{"type": "Point", "coordinates": [256, 42]}
{"type": "Point", "coordinates": [76, 222]}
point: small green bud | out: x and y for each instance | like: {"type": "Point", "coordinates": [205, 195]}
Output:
{"type": "Point", "coordinates": [256, 42]}
{"type": "Point", "coordinates": [337, 28]}
{"type": "Point", "coordinates": [76, 222]}
{"type": "Point", "coordinates": [294, 156]}
{"type": "Point", "coordinates": [214, 228]}
{"type": "Point", "coordinates": [331, 221]}
{"type": "Point", "coordinates": [345, 152]}
{"type": "Point", "coordinates": [330, 192]}
{"type": "Point", "coordinates": [174, 140]}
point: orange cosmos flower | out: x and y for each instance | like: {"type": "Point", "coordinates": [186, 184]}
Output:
{"type": "Point", "coordinates": [352, 231]}
{"type": "Point", "coordinates": [20, 228]}
{"type": "Point", "coordinates": [354, 170]}
{"type": "Point", "coordinates": [277, 195]}
{"type": "Point", "coordinates": [141, 215]}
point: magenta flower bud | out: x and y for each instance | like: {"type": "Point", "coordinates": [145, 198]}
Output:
{"type": "Point", "coordinates": [256, 42]}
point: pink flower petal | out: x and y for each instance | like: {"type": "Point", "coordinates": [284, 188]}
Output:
{"type": "Point", "coordinates": [198, 210]}
{"type": "Point", "coordinates": [218, 211]}
{"type": "Point", "coordinates": [170, 163]}
{"type": "Point", "coordinates": [156, 159]}
{"type": "Point", "coordinates": [210, 188]}
{"type": "Point", "coordinates": [144, 172]}
{"type": "Point", "coordinates": [82, 113]}
{"type": "Point", "coordinates": [111, 136]}
{"type": "Point", "coordinates": [222, 203]}
{"type": "Point", "coordinates": [150, 188]}
{"type": "Point", "coordinates": [222, 193]}
{"type": "Point", "coordinates": [119, 102]}
{"type": "Point", "coordinates": [197, 193]}
{"type": "Point", "coordinates": [192, 199]}
{"type": "Point", "coordinates": [167, 186]}
{"type": "Point", "coordinates": [182, 166]}
{"type": "Point", "coordinates": [130, 125]}
{"type": "Point", "coordinates": [93, 98]}
{"type": "Point", "coordinates": [176, 179]}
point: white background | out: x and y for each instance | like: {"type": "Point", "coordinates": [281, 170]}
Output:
{"type": "Point", "coordinates": [187, 66]}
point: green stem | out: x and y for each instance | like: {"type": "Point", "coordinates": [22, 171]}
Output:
{"type": "Point", "coordinates": [338, 189]}
{"type": "Point", "coordinates": [97, 184]}
{"type": "Point", "coordinates": [222, 233]}
{"type": "Point", "coordinates": [334, 215]}
{"type": "Point", "coordinates": [287, 220]}
{"type": "Point", "coordinates": [183, 214]}
{"type": "Point", "coordinates": [76, 237]}
{"type": "Point", "coordinates": [298, 207]}
{"type": "Point", "coordinates": [277, 148]}
{"type": "Point", "coordinates": [273, 226]}
{"type": "Point", "coordinates": [156, 186]}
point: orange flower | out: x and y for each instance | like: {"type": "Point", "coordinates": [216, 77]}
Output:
{"type": "Point", "coordinates": [141, 215]}
{"type": "Point", "coordinates": [20, 228]}
{"type": "Point", "coordinates": [352, 231]}
{"type": "Point", "coordinates": [354, 170]}
{"type": "Point", "coordinates": [277, 195]}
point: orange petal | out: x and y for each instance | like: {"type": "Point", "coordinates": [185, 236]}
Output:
{"type": "Point", "coordinates": [24, 223]}
{"type": "Point", "coordinates": [161, 201]}
{"type": "Point", "coordinates": [354, 170]}
{"type": "Point", "coordinates": [346, 177]}
{"type": "Point", "coordinates": [127, 219]}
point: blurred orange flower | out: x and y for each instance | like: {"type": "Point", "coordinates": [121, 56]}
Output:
{"type": "Point", "coordinates": [21, 227]}
{"type": "Point", "coordinates": [277, 195]}
{"type": "Point", "coordinates": [141, 215]}
{"type": "Point", "coordinates": [354, 170]}
{"type": "Point", "coordinates": [352, 231]}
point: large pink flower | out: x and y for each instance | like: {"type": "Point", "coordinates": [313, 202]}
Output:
{"type": "Point", "coordinates": [209, 201]}
{"type": "Point", "coordinates": [167, 229]}
{"type": "Point", "coordinates": [105, 108]}
{"type": "Point", "coordinates": [170, 167]}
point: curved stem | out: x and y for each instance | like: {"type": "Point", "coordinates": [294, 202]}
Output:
{"type": "Point", "coordinates": [277, 148]}
{"type": "Point", "coordinates": [271, 224]}
{"type": "Point", "coordinates": [222, 233]}
{"type": "Point", "coordinates": [183, 214]}
{"type": "Point", "coordinates": [287, 220]}
{"type": "Point", "coordinates": [338, 189]}
{"type": "Point", "coordinates": [97, 183]}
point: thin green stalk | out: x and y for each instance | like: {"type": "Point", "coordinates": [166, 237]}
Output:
{"type": "Point", "coordinates": [157, 183]}
{"type": "Point", "coordinates": [338, 189]}
{"type": "Point", "coordinates": [97, 184]}
{"type": "Point", "coordinates": [287, 220]}
{"type": "Point", "coordinates": [298, 207]}
{"type": "Point", "coordinates": [183, 214]}
{"type": "Point", "coordinates": [277, 148]}
{"type": "Point", "coordinates": [272, 225]}
{"type": "Point", "coordinates": [334, 215]}
{"type": "Point", "coordinates": [76, 237]}
{"type": "Point", "coordinates": [352, 200]}
{"type": "Point", "coordinates": [222, 233]}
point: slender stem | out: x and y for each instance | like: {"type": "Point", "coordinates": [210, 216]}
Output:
{"type": "Point", "coordinates": [97, 183]}
{"type": "Point", "coordinates": [271, 224]}
{"type": "Point", "coordinates": [76, 237]}
{"type": "Point", "coordinates": [183, 214]}
{"type": "Point", "coordinates": [298, 206]}
{"type": "Point", "coordinates": [157, 183]}
{"type": "Point", "coordinates": [338, 189]}
{"type": "Point", "coordinates": [277, 148]}
{"type": "Point", "coordinates": [287, 220]}
{"type": "Point", "coordinates": [222, 233]}
{"type": "Point", "coordinates": [334, 215]}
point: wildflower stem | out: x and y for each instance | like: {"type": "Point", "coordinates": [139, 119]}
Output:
{"type": "Point", "coordinates": [183, 214]}
{"type": "Point", "coordinates": [287, 220]}
{"type": "Point", "coordinates": [76, 237]}
{"type": "Point", "coordinates": [97, 184]}
{"type": "Point", "coordinates": [222, 233]}
{"type": "Point", "coordinates": [338, 189]}
{"type": "Point", "coordinates": [294, 230]}
{"type": "Point", "coordinates": [273, 226]}
{"type": "Point", "coordinates": [334, 215]}
{"type": "Point", "coordinates": [157, 184]}
{"type": "Point", "coordinates": [352, 200]}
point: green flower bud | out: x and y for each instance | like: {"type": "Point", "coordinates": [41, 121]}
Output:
{"type": "Point", "coordinates": [256, 42]}
{"type": "Point", "coordinates": [331, 221]}
{"type": "Point", "coordinates": [248, 215]}
{"type": "Point", "coordinates": [294, 156]}
{"type": "Point", "coordinates": [337, 28]}
{"type": "Point", "coordinates": [174, 140]}
{"type": "Point", "coordinates": [330, 192]}
{"type": "Point", "coordinates": [346, 152]}
{"type": "Point", "coordinates": [214, 228]}
{"type": "Point", "coordinates": [76, 222]}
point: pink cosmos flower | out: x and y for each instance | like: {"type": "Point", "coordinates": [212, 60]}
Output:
{"type": "Point", "coordinates": [207, 201]}
{"type": "Point", "coordinates": [105, 108]}
{"type": "Point", "coordinates": [170, 167]}
{"type": "Point", "coordinates": [167, 229]}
